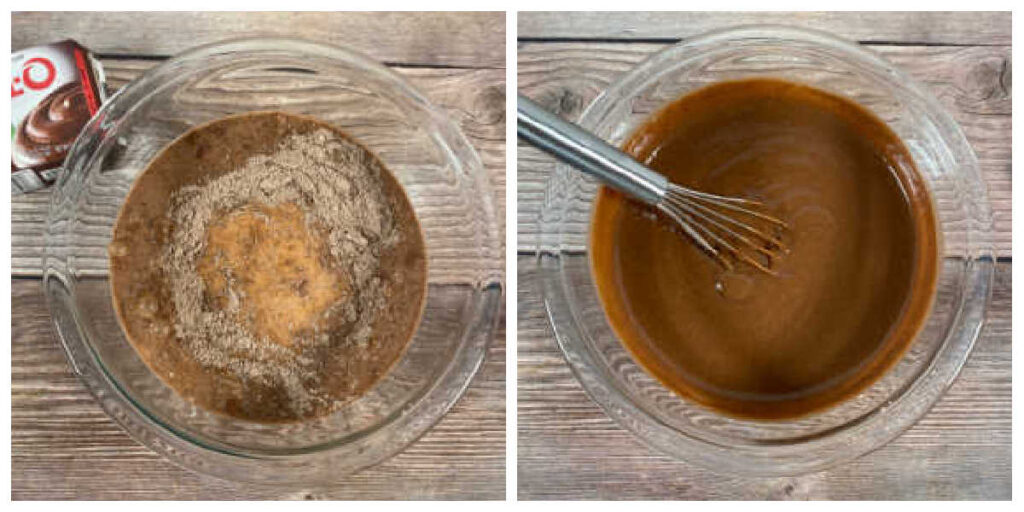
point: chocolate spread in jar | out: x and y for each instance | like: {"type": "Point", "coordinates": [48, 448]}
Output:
{"type": "Point", "coordinates": [850, 296]}
{"type": "Point", "coordinates": [268, 267]}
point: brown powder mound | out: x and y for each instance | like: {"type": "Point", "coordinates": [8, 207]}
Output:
{"type": "Point", "coordinates": [279, 287]}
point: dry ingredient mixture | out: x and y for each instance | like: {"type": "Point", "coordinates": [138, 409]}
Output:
{"type": "Point", "coordinates": [285, 273]}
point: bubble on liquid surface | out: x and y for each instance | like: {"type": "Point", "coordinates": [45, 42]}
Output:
{"type": "Point", "coordinates": [733, 285]}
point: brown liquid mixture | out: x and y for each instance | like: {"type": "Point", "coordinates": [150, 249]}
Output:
{"type": "Point", "coordinates": [850, 296]}
{"type": "Point", "coordinates": [268, 267]}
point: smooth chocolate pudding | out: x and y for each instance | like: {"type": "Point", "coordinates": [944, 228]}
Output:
{"type": "Point", "coordinates": [266, 266]}
{"type": "Point", "coordinates": [849, 297]}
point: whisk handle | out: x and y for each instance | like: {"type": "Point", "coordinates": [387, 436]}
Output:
{"type": "Point", "coordinates": [586, 152]}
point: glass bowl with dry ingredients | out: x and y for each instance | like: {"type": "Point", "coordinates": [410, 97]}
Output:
{"type": "Point", "coordinates": [856, 331]}
{"type": "Point", "coordinates": [273, 260]}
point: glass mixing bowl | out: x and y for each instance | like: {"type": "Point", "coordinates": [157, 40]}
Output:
{"type": "Point", "coordinates": [441, 175]}
{"type": "Point", "coordinates": [891, 405]}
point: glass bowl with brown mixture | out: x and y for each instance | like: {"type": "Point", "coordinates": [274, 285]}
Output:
{"type": "Point", "coordinates": [839, 353]}
{"type": "Point", "coordinates": [327, 208]}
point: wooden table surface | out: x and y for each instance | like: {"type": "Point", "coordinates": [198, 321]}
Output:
{"type": "Point", "coordinates": [62, 444]}
{"type": "Point", "coordinates": [568, 448]}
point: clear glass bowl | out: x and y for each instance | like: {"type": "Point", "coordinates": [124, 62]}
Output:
{"type": "Point", "coordinates": [441, 174]}
{"type": "Point", "coordinates": [691, 432]}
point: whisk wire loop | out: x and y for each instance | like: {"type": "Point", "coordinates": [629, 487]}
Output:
{"type": "Point", "coordinates": [728, 235]}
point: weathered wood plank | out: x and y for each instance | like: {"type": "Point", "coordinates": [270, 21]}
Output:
{"type": "Point", "coordinates": [570, 449]}
{"type": "Point", "coordinates": [408, 38]}
{"type": "Point", "coordinates": [63, 446]}
{"type": "Point", "coordinates": [473, 98]}
{"type": "Point", "coordinates": [973, 83]}
{"type": "Point", "coordinates": [956, 28]}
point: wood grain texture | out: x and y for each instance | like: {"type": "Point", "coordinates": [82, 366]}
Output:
{"type": "Point", "coordinates": [63, 446]}
{"type": "Point", "coordinates": [471, 40]}
{"type": "Point", "coordinates": [473, 98]}
{"type": "Point", "coordinates": [973, 83]}
{"type": "Point", "coordinates": [947, 28]}
{"type": "Point", "coordinates": [570, 449]}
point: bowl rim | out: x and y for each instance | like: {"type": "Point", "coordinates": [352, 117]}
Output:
{"type": "Point", "coordinates": [757, 460]}
{"type": "Point", "coordinates": [384, 440]}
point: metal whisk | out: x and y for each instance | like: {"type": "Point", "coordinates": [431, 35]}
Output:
{"type": "Point", "coordinates": [727, 228]}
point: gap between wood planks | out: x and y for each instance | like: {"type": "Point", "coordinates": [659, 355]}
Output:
{"type": "Point", "coordinates": [390, 64]}
{"type": "Point", "coordinates": [674, 40]}
{"type": "Point", "coordinates": [532, 252]}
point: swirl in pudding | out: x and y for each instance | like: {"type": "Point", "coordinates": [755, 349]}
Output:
{"type": "Point", "coordinates": [46, 134]}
